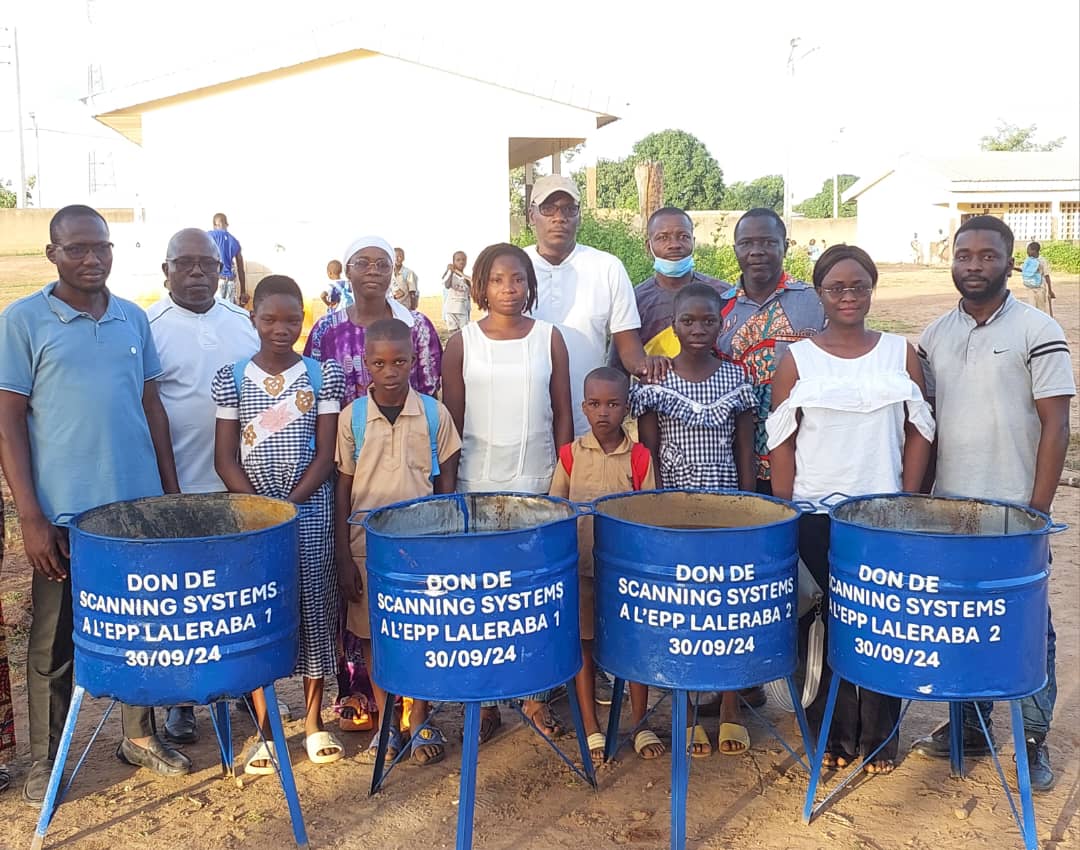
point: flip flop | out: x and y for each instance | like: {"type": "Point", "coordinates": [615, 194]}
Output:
{"type": "Point", "coordinates": [596, 742]}
{"type": "Point", "coordinates": [698, 737]}
{"type": "Point", "coordinates": [647, 738]}
{"type": "Point", "coordinates": [735, 733]}
{"type": "Point", "coordinates": [547, 721]}
{"type": "Point", "coordinates": [319, 741]}
{"type": "Point", "coordinates": [490, 723]}
{"type": "Point", "coordinates": [429, 736]}
{"type": "Point", "coordinates": [262, 751]}
{"type": "Point", "coordinates": [356, 716]}
{"type": "Point", "coordinates": [394, 745]}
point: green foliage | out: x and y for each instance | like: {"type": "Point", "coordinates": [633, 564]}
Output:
{"type": "Point", "coordinates": [820, 205]}
{"type": "Point", "coordinates": [692, 178]}
{"type": "Point", "coordinates": [8, 198]}
{"type": "Point", "coordinates": [615, 186]}
{"type": "Point", "coordinates": [1012, 137]}
{"type": "Point", "coordinates": [717, 261]}
{"type": "Point", "coordinates": [615, 235]}
{"type": "Point", "coordinates": [1062, 256]}
{"type": "Point", "coordinates": [767, 191]}
{"type": "Point", "coordinates": [797, 264]}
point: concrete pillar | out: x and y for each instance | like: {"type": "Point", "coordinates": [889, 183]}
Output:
{"type": "Point", "coordinates": [1055, 219]}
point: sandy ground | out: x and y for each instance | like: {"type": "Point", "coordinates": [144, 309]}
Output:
{"type": "Point", "coordinates": [526, 798]}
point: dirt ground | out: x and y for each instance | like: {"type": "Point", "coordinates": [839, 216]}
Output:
{"type": "Point", "coordinates": [526, 798]}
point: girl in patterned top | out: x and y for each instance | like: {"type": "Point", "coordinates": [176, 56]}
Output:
{"type": "Point", "coordinates": [276, 435]}
{"type": "Point", "coordinates": [698, 422]}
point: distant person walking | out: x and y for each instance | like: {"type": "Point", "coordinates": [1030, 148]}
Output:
{"type": "Point", "coordinates": [338, 293]}
{"type": "Point", "coordinates": [1035, 275]}
{"type": "Point", "coordinates": [456, 305]}
{"type": "Point", "coordinates": [916, 250]}
{"type": "Point", "coordinates": [405, 286]}
{"type": "Point", "coordinates": [232, 280]}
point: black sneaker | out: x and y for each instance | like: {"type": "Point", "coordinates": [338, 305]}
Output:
{"type": "Point", "coordinates": [936, 744]}
{"type": "Point", "coordinates": [1042, 775]}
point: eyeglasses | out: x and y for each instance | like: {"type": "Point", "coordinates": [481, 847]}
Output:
{"type": "Point", "coordinates": [568, 210]}
{"type": "Point", "coordinates": [102, 250]}
{"type": "Point", "coordinates": [208, 265]}
{"type": "Point", "coordinates": [362, 265]}
{"type": "Point", "coordinates": [862, 290]}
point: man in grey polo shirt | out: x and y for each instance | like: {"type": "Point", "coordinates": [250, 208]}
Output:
{"type": "Point", "coordinates": [81, 425]}
{"type": "Point", "coordinates": [999, 374]}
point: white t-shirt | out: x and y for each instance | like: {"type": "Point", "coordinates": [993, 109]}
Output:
{"type": "Point", "coordinates": [192, 347]}
{"type": "Point", "coordinates": [588, 297]}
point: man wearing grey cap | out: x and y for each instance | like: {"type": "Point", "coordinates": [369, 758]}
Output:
{"type": "Point", "coordinates": [583, 291]}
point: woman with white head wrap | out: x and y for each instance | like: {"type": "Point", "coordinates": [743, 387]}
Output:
{"type": "Point", "coordinates": [339, 335]}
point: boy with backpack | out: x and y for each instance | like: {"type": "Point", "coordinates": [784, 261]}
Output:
{"type": "Point", "coordinates": [1035, 273]}
{"type": "Point", "coordinates": [603, 462]}
{"type": "Point", "coordinates": [392, 444]}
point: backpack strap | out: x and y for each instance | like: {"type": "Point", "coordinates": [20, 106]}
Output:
{"type": "Point", "coordinates": [431, 413]}
{"type": "Point", "coordinates": [238, 369]}
{"type": "Point", "coordinates": [359, 424]}
{"type": "Point", "coordinates": [566, 458]}
{"type": "Point", "coordinates": [640, 458]}
{"type": "Point", "coordinates": [314, 374]}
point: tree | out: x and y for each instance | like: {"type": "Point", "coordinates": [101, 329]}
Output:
{"type": "Point", "coordinates": [767, 191]}
{"type": "Point", "coordinates": [820, 205]}
{"type": "Point", "coordinates": [1011, 137]}
{"type": "Point", "coordinates": [8, 199]}
{"type": "Point", "coordinates": [692, 178]}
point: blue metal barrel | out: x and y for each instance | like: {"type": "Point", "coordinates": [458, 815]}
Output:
{"type": "Point", "coordinates": [187, 598]}
{"type": "Point", "coordinates": [473, 596]}
{"type": "Point", "coordinates": [696, 590]}
{"type": "Point", "coordinates": [939, 599]}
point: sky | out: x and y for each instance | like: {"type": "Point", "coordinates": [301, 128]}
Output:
{"type": "Point", "coordinates": [871, 80]}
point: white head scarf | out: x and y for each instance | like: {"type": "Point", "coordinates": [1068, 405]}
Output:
{"type": "Point", "coordinates": [398, 311]}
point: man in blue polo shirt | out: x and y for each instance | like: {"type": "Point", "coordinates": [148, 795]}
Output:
{"type": "Point", "coordinates": [232, 263]}
{"type": "Point", "coordinates": [81, 425]}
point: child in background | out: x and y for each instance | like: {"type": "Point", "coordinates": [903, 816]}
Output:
{"type": "Point", "coordinates": [276, 423]}
{"type": "Point", "coordinates": [603, 462]}
{"type": "Point", "coordinates": [699, 425]}
{"type": "Point", "coordinates": [456, 286]}
{"type": "Point", "coordinates": [384, 455]}
{"type": "Point", "coordinates": [337, 295]}
{"type": "Point", "coordinates": [506, 382]}
{"type": "Point", "coordinates": [1035, 275]}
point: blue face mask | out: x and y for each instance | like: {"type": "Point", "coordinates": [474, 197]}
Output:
{"type": "Point", "coordinates": [674, 268]}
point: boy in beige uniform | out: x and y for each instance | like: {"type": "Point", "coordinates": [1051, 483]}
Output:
{"type": "Point", "coordinates": [394, 463]}
{"type": "Point", "coordinates": [603, 462]}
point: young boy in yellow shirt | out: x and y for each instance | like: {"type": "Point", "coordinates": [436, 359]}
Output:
{"type": "Point", "coordinates": [603, 462]}
{"type": "Point", "coordinates": [392, 463]}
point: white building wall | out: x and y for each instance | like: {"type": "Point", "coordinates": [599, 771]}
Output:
{"type": "Point", "coordinates": [303, 163]}
{"type": "Point", "coordinates": [892, 211]}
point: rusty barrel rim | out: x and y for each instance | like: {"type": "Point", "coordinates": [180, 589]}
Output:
{"type": "Point", "coordinates": [1047, 528]}
{"type": "Point", "coordinates": [461, 499]}
{"type": "Point", "coordinates": [796, 511]}
{"type": "Point", "coordinates": [278, 504]}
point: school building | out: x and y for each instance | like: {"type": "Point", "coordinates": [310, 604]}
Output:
{"type": "Point", "coordinates": [336, 132]}
{"type": "Point", "coordinates": [1036, 193]}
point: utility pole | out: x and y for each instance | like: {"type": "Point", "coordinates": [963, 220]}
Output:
{"type": "Point", "coordinates": [791, 60]}
{"type": "Point", "coordinates": [20, 200]}
{"type": "Point", "coordinates": [836, 175]}
{"type": "Point", "coordinates": [37, 160]}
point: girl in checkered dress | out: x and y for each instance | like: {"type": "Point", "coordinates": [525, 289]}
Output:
{"type": "Point", "coordinates": [276, 433]}
{"type": "Point", "coordinates": [699, 425]}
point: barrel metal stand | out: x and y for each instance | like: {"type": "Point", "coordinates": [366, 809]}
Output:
{"type": "Point", "coordinates": [680, 757]}
{"type": "Point", "coordinates": [470, 749]}
{"type": "Point", "coordinates": [1024, 817]}
{"type": "Point", "coordinates": [219, 714]}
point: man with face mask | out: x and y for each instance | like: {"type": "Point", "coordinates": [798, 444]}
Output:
{"type": "Point", "coordinates": [999, 375]}
{"type": "Point", "coordinates": [671, 242]}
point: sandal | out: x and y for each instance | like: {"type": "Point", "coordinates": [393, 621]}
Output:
{"type": "Point", "coordinates": [490, 722]}
{"type": "Point", "coordinates": [322, 740]}
{"type": "Point", "coordinates": [836, 759]}
{"type": "Point", "coordinates": [879, 767]}
{"type": "Point", "coordinates": [646, 738]}
{"type": "Point", "coordinates": [394, 745]}
{"type": "Point", "coordinates": [733, 733]}
{"type": "Point", "coordinates": [596, 743]}
{"type": "Point", "coordinates": [5, 777]}
{"type": "Point", "coordinates": [700, 747]}
{"type": "Point", "coordinates": [428, 736]}
{"type": "Point", "coordinates": [356, 715]}
{"type": "Point", "coordinates": [546, 721]}
{"type": "Point", "coordinates": [261, 751]}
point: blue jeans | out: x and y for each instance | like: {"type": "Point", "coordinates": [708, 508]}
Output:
{"type": "Point", "coordinates": [1038, 709]}
{"type": "Point", "coordinates": [540, 697]}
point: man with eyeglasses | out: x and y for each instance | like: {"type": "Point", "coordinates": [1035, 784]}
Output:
{"type": "Point", "coordinates": [232, 263]}
{"type": "Point", "coordinates": [195, 334]}
{"type": "Point", "coordinates": [81, 425]}
{"type": "Point", "coordinates": [767, 310]}
{"type": "Point", "coordinates": [585, 292]}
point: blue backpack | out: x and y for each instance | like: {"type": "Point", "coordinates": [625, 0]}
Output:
{"type": "Point", "coordinates": [1029, 271]}
{"type": "Point", "coordinates": [431, 413]}
{"type": "Point", "coordinates": [314, 375]}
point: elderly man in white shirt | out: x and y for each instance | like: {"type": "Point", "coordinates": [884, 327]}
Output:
{"type": "Point", "coordinates": [195, 335]}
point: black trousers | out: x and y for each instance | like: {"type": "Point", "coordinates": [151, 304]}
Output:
{"type": "Point", "coordinates": [50, 654]}
{"type": "Point", "coordinates": [863, 718]}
